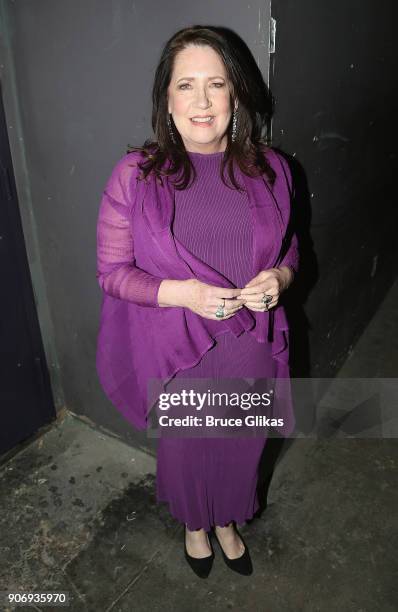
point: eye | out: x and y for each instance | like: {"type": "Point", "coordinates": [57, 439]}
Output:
{"type": "Point", "coordinates": [185, 85]}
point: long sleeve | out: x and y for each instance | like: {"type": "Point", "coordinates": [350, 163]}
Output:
{"type": "Point", "coordinates": [117, 273]}
{"type": "Point", "coordinates": [291, 258]}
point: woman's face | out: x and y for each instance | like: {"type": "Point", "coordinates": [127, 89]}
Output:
{"type": "Point", "coordinates": [199, 86]}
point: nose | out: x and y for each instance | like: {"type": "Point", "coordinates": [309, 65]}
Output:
{"type": "Point", "coordinates": [202, 99]}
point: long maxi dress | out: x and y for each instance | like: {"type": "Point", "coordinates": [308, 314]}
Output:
{"type": "Point", "coordinates": [209, 481]}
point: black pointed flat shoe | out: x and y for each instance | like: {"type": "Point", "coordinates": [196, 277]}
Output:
{"type": "Point", "coordinates": [201, 566]}
{"type": "Point", "coordinates": [241, 565]}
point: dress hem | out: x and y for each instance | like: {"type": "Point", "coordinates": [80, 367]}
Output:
{"type": "Point", "coordinates": [239, 520]}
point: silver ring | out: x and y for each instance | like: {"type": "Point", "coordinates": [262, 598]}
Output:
{"type": "Point", "coordinates": [266, 299]}
{"type": "Point", "coordinates": [220, 310]}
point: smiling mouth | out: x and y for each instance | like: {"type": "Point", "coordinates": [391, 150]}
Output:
{"type": "Point", "coordinates": [202, 120]}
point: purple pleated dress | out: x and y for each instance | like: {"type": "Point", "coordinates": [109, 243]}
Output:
{"type": "Point", "coordinates": [209, 481]}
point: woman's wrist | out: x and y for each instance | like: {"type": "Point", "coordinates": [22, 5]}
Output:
{"type": "Point", "coordinates": [173, 293]}
{"type": "Point", "coordinates": [288, 276]}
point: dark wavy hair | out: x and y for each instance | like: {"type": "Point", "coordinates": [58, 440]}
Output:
{"type": "Point", "coordinates": [253, 114]}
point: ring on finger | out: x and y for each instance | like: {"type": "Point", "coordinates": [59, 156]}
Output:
{"type": "Point", "coordinates": [266, 299]}
{"type": "Point", "coordinates": [220, 312]}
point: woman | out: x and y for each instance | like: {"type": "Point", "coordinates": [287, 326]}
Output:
{"type": "Point", "coordinates": [192, 272]}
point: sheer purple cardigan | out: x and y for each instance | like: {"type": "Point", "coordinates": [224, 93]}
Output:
{"type": "Point", "coordinates": [140, 341]}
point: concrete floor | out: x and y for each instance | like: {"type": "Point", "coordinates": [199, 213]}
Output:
{"type": "Point", "coordinates": [79, 515]}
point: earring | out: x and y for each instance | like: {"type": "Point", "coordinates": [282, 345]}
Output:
{"type": "Point", "coordinates": [234, 123]}
{"type": "Point", "coordinates": [170, 128]}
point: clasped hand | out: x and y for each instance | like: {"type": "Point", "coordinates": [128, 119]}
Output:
{"type": "Point", "coordinates": [205, 299]}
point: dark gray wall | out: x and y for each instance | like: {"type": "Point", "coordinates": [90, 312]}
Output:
{"type": "Point", "coordinates": [83, 74]}
{"type": "Point", "coordinates": [77, 78]}
{"type": "Point", "coordinates": [334, 80]}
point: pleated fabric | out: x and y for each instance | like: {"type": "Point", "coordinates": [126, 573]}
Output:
{"type": "Point", "coordinates": [209, 481]}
